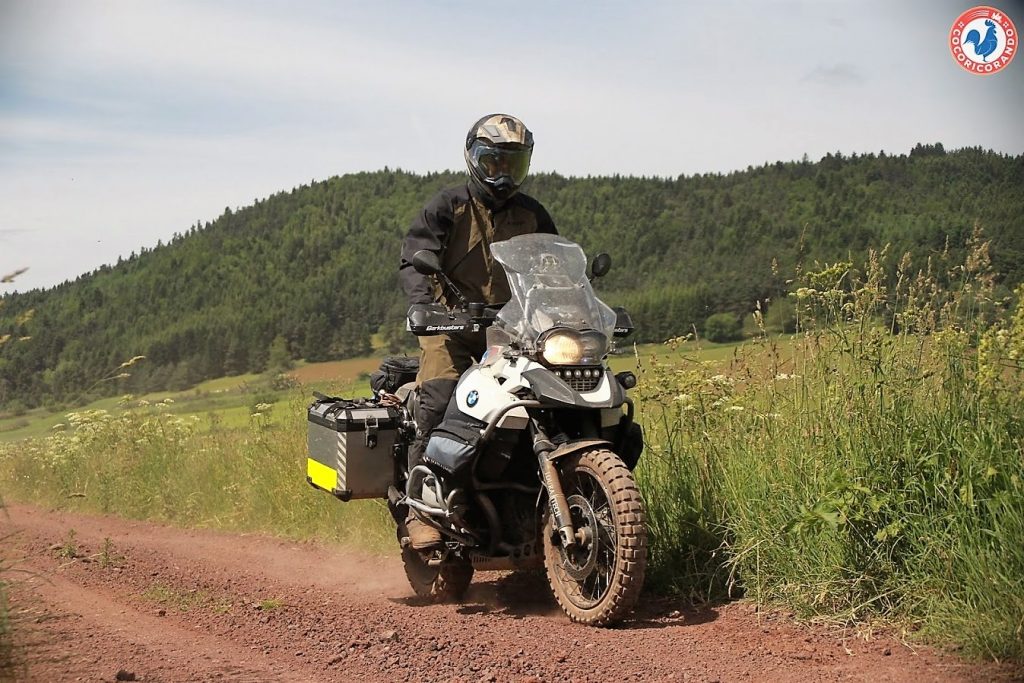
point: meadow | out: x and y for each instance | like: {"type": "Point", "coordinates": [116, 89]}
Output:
{"type": "Point", "coordinates": [865, 470]}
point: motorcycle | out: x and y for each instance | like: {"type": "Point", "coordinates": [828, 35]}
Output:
{"type": "Point", "coordinates": [531, 466]}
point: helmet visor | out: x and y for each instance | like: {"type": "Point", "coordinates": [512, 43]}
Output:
{"type": "Point", "coordinates": [495, 162]}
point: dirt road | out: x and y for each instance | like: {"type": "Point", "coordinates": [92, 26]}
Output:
{"type": "Point", "coordinates": [156, 603]}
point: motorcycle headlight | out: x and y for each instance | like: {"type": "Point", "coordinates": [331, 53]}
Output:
{"type": "Point", "coordinates": [564, 346]}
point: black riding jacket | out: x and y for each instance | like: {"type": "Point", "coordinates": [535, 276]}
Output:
{"type": "Point", "coordinates": [459, 226]}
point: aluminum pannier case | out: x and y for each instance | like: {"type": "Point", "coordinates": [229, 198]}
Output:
{"type": "Point", "coordinates": [351, 446]}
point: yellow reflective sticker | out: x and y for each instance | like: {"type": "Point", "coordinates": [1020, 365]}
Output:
{"type": "Point", "coordinates": [321, 475]}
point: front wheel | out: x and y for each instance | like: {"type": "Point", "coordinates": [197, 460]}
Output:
{"type": "Point", "coordinates": [597, 581]}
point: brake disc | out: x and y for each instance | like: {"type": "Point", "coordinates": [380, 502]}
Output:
{"type": "Point", "coordinates": [580, 559]}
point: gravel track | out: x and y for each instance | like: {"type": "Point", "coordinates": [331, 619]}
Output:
{"type": "Point", "coordinates": [159, 603]}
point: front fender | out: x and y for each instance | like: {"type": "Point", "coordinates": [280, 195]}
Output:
{"type": "Point", "coordinates": [571, 447]}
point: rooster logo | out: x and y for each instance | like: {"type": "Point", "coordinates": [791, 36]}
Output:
{"type": "Point", "coordinates": [983, 48]}
{"type": "Point", "coordinates": [983, 40]}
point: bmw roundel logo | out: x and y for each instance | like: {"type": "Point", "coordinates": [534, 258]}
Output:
{"type": "Point", "coordinates": [472, 398]}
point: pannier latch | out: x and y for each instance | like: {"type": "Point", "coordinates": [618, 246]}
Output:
{"type": "Point", "coordinates": [371, 432]}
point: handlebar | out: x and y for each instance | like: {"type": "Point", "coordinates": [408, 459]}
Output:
{"type": "Point", "coordinates": [433, 319]}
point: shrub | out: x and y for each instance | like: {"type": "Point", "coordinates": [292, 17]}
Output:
{"type": "Point", "coordinates": [781, 316]}
{"type": "Point", "coordinates": [723, 327]}
{"type": "Point", "coordinates": [16, 408]}
{"type": "Point", "coordinates": [262, 398]}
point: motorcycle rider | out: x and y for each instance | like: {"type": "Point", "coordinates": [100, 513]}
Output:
{"type": "Point", "coordinates": [459, 225]}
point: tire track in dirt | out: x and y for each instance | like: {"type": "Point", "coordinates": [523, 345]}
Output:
{"type": "Point", "coordinates": [169, 604]}
{"type": "Point", "coordinates": [106, 632]}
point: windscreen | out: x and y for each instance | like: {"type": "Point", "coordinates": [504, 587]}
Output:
{"type": "Point", "coordinates": [548, 278]}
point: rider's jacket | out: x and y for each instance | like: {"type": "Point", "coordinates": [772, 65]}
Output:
{"type": "Point", "coordinates": [459, 226]}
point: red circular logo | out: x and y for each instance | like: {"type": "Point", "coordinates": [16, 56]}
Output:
{"type": "Point", "coordinates": [983, 40]}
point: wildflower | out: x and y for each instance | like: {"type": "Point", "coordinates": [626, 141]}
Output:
{"type": "Point", "coordinates": [805, 293]}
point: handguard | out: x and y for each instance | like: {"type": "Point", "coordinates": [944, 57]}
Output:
{"type": "Point", "coordinates": [432, 319]}
{"type": "Point", "coordinates": [623, 322]}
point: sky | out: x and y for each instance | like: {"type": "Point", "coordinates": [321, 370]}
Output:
{"type": "Point", "coordinates": [122, 123]}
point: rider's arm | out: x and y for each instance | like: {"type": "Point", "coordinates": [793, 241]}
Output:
{"type": "Point", "coordinates": [429, 231]}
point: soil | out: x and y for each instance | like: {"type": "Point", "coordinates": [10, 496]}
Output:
{"type": "Point", "coordinates": [129, 600]}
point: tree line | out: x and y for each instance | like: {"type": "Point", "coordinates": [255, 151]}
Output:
{"type": "Point", "coordinates": [315, 267]}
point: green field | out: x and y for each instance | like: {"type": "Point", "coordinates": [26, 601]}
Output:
{"type": "Point", "coordinates": [229, 400]}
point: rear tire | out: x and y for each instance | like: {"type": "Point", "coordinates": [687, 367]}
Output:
{"type": "Point", "coordinates": [598, 581]}
{"type": "Point", "coordinates": [445, 583]}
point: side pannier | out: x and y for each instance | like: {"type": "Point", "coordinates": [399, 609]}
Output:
{"type": "Point", "coordinates": [351, 444]}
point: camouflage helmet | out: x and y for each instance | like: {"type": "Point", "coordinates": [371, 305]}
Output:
{"type": "Point", "coordinates": [498, 151]}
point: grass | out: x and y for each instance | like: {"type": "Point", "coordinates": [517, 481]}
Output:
{"type": "Point", "coordinates": [9, 665]}
{"type": "Point", "coordinates": [68, 549]}
{"type": "Point", "coordinates": [859, 475]}
{"type": "Point", "coordinates": [229, 398]}
{"type": "Point", "coordinates": [270, 604]}
{"type": "Point", "coordinates": [144, 461]}
{"type": "Point", "coordinates": [227, 401]}
{"type": "Point", "coordinates": [867, 469]}
{"type": "Point", "coordinates": [184, 601]}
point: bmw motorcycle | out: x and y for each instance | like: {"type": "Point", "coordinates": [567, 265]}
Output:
{"type": "Point", "coordinates": [531, 466]}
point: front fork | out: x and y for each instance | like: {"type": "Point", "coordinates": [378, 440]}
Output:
{"type": "Point", "coordinates": [542, 448]}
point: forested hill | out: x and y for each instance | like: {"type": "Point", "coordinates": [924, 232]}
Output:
{"type": "Point", "coordinates": [317, 265]}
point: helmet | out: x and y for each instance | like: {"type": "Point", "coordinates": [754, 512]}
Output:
{"type": "Point", "coordinates": [498, 150]}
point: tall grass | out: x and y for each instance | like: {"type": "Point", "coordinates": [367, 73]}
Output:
{"type": "Point", "coordinates": [872, 470]}
{"type": "Point", "coordinates": [8, 663]}
{"type": "Point", "coordinates": [144, 462]}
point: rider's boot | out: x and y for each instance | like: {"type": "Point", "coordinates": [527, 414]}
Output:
{"type": "Point", "coordinates": [422, 536]}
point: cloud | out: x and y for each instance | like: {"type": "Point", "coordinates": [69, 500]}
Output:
{"type": "Point", "coordinates": [839, 75]}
